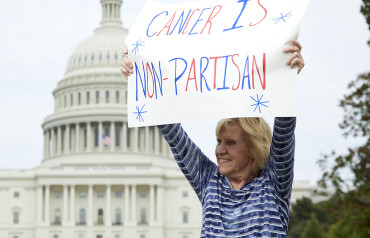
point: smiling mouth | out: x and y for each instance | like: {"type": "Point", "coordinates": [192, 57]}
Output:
{"type": "Point", "coordinates": [224, 160]}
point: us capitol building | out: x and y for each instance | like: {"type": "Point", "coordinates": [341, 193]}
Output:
{"type": "Point", "coordinates": [99, 178]}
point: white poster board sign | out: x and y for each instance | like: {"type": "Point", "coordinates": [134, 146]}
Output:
{"type": "Point", "coordinates": [212, 59]}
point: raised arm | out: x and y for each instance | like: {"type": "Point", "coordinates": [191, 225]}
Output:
{"type": "Point", "coordinates": [193, 163]}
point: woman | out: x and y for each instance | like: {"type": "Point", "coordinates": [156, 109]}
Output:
{"type": "Point", "coordinates": [248, 193]}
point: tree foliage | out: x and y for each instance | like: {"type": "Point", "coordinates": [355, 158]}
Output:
{"type": "Point", "coordinates": [313, 229]}
{"type": "Point", "coordinates": [365, 10]}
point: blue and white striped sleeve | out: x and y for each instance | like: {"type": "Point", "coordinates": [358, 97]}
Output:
{"type": "Point", "coordinates": [281, 159]}
{"type": "Point", "coordinates": [193, 163]}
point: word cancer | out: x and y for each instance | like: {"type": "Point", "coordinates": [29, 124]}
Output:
{"type": "Point", "coordinates": [201, 75]}
{"type": "Point", "coordinates": [189, 22]}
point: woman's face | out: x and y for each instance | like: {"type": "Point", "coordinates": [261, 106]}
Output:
{"type": "Point", "coordinates": [232, 154]}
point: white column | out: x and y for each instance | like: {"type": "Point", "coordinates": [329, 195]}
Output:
{"type": "Point", "coordinates": [147, 140]}
{"type": "Point", "coordinates": [159, 204]}
{"type": "Point", "coordinates": [127, 203]}
{"type": "Point", "coordinates": [66, 137]}
{"type": "Point", "coordinates": [90, 208]}
{"type": "Point", "coordinates": [135, 140]}
{"type": "Point", "coordinates": [133, 207]}
{"type": "Point", "coordinates": [47, 143]}
{"type": "Point", "coordinates": [124, 136]}
{"type": "Point", "coordinates": [65, 205]}
{"type": "Point", "coordinates": [39, 204]}
{"type": "Point", "coordinates": [151, 208]}
{"type": "Point", "coordinates": [77, 134]}
{"type": "Point", "coordinates": [45, 147]}
{"type": "Point", "coordinates": [157, 139]}
{"type": "Point", "coordinates": [100, 134]}
{"type": "Point", "coordinates": [112, 136]}
{"type": "Point", "coordinates": [108, 206]}
{"type": "Point", "coordinates": [72, 205]}
{"type": "Point", "coordinates": [53, 142]}
{"type": "Point", "coordinates": [47, 205]}
{"type": "Point", "coordinates": [88, 136]}
{"type": "Point", "coordinates": [59, 140]}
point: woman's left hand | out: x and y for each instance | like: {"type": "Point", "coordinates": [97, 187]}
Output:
{"type": "Point", "coordinates": [295, 59]}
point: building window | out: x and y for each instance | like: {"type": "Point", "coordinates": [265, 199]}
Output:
{"type": "Point", "coordinates": [185, 194]}
{"type": "Point", "coordinates": [96, 134]}
{"type": "Point", "coordinates": [117, 96]}
{"type": "Point", "coordinates": [92, 58]}
{"type": "Point", "coordinates": [185, 216]}
{"type": "Point", "coordinates": [58, 194]}
{"type": "Point", "coordinates": [126, 94]}
{"type": "Point", "coordinates": [79, 98]}
{"type": "Point", "coordinates": [99, 236]}
{"type": "Point", "coordinates": [142, 236]}
{"type": "Point", "coordinates": [143, 216]}
{"type": "Point", "coordinates": [87, 97]}
{"type": "Point", "coordinates": [143, 194]}
{"type": "Point", "coordinates": [16, 194]}
{"type": "Point", "coordinates": [128, 141]}
{"type": "Point", "coordinates": [55, 236]}
{"type": "Point", "coordinates": [100, 217]}
{"type": "Point", "coordinates": [57, 216]}
{"type": "Point", "coordinates": [82, 194]}
{"type": "Point", "coordinates": [97, 95]}
{"type": "Point", "coordinates": [117, 236]}
{"type": "Point", "coordinates": [118, 217]}
{"type": "Point", "coordinates": [107, 96]}
{"type": "Point", "coordinates": [82, 216]}
{"type": "Point", "coordinates": [100, 194]}
{"type": "Point", "coordinates": [65, 101]}
{"type": "Point", "coordinates": [81, 236]}
{"type": "Point", "coordinates": [71, 100]}
{"type": "Point", "coordinates": [117, 136]}
{"type": "Point", "coordinates": [118, 194]}
{"type": "Point", "coordinates": [108, 56]}
{"type": "Point", "coordinates": [16, 217]}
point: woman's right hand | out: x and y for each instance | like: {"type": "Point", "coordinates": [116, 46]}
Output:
{"type": "Point", "coordinates": [126, 66]}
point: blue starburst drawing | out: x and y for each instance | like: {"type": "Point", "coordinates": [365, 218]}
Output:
{"type": "Point", "coordinates": [137, 45]}
{"type": "Point", "coordinates": [276, 20]}
{"type": "Point", "coordinates": [139, 113]}
{"type": "Point", "coordinates": [258, 103]}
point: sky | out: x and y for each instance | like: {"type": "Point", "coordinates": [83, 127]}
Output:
{"type": "Point", "coordinates": [38, 37]}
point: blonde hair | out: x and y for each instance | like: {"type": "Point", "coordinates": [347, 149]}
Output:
{"type": "Point", "coordinates": [258, 137]}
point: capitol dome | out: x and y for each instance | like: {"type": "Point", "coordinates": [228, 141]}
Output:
{"type": "Point", "coordinates": [90, 115]}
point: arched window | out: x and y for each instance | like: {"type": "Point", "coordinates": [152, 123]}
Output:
{"type": "Point", "coordinates": [87, 97]}
{"type": "Point", "coordinates": [79, 98]}
{"type": "Point", "coordinates": [100, 217]}
{"type": "Point", "coordinates": [107, 96]}
{"type": "Point", "coordinates": [143, 216]}
{"type": "Point", "coordinates": [185, 217]}
{"type": "Point", "coordinates": [97, 97]}
{"type": "Point", "coordinates": [82, 216]}
{"type": "Point", "coordinates": [118, 216]}
{"type": "Point", "coordinates": [117, 96]}
{"type": "Point", "coordinates": [16, 217]}
{"type": "Point", "coordinates": [57, 216]}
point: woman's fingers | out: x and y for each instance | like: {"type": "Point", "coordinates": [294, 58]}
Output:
{"type": "Point", "coordinates": [295, 59]}
{"type": "Point", "coordinates": [126, 66]}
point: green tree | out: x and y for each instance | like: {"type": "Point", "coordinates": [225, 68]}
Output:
{"type": "Point", "coordinates": [313, 229]}
{"type": "Point", "coordinates": [350, 205]}
{"type": "Point", "coordinates": [300, 215]}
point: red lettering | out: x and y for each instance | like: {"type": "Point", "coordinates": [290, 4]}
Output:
{"type": "Point", "coordinates": [192, 69]}
{"type": "Point", "coordinates": [168, 25]}
{"type": "Point", "coordinates": [264, 71]}
{"type": "Point", "coordinates": [183, 32]}
{"type": "Point", "coordinates": [263, 16]}
{"type": "Point", "coordinates": [210, 19]}
{"type": "Point", "coordinates": [147, 80]}
{"type": "Point", "coordinates": [215, 70]}
{"type": "Point", "coordinates": [232, 58]}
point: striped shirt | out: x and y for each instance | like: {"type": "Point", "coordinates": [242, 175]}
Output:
{"type": "Point", "coordinates": [260, 208]}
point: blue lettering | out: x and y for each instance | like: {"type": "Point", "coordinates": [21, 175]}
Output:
{"type": "Point", "coordinates": [160, 80]}
{"type": "Point", "coordinates": [246, 67]}
{"type": "Point", "coordinates": [182, 24]}
{"type": "Point", "coordinates": [190, 33]}
{"type": "Point", "coordinates": [177, 78]}
{"type": "Point", "coordinates": [224, 86]}
{"type": "Point", "coordinates": [201, 74]}
{"type": "Point", "coordinates": [147, 31]}
{"type": "Point", "coordinates": [237, 19]}
{"type": "Point", "coordinates": [137, 72]}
